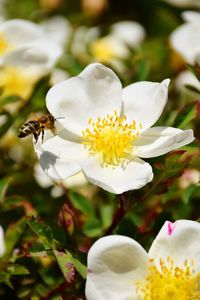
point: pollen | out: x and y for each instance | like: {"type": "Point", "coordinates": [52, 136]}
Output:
{"type": "Point", "coordinates": [5, 46]}
{"type": "Point", "coordinates": [111, 138]}
{"type": "Point", "coordinates": [169, 282]}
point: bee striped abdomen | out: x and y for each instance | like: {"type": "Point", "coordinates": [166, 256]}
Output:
{"type": "Point", "coordinates": [29, 128]}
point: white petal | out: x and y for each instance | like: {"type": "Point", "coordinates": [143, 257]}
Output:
{"type": "Point", "coordinates": [58, 75]}
{"type": "Point", "coordinates": [82, 38]}
{"type": "Point", "coordinates": [117, 180]}
{"type": "Point", "coordinates": [180, 241]}
{"type": "Point", "coordinates": [41, 54]}
{"type": "Point", "coordinates": [185, 40]}
{"type": "Point", "coordinates": [157, 141]}
{"type": "Point", "coordinates": [20, 32]}
{"type": "Point", "coordinates": [129, 32]}
{"type": "Point", "coordinates": [60, 158]}
{"type": "Point", "coordinates": [114, 263]}
{"type": "Point", "coordinates": [191, 16]}
{"type": "Point", "coordinates": [186, 78]}
{"type": "Point", "coordinates": [41, 178]}
{"type": "Point", "coordinates": [144, 101]}
{"type": "Point", "coordinates": [2, 242]}
{"type": "Point", "coordinates": [184, 3]}
{"type": "Point", "coordinates": [95, 92]}
{"type": "Point", "coordinates": [58, 29]}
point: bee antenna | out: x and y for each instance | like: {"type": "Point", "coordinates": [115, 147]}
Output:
{"type": "Point", "coordinates": [59, 118]}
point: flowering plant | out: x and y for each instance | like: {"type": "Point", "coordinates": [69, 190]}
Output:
{"type": "Point", "coordinates": [112, 133]}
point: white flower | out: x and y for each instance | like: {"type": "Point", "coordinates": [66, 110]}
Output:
{"type": "Point", "coordinates": [24, 43]}
{"type": "Point", "coordinates": [45, 181]}
{"type": "Point", "coordinates": [123, 36]}
{"type": "Point", "coordinates": [2, 242]}
{"type": "Point", "coordinates": [184, 3]}
{"type": "Point", "coordinates": [186, 38]}
{"type": "Point", "coordinates": [58, 29]}
{"type": "Point", "coordinates": [120, 269]}
{"type": "Point", "coordinates": [187, 78]}
{"type": "Point", "coordinates": [106, 129]}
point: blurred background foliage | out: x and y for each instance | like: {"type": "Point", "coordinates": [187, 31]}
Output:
{"type": "Point", "coordinates": [49, 230]}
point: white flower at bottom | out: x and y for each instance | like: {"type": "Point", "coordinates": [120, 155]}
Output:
{"type": "Point", "coordinates": [105, 129]}
{"type": "Point", "coordinates": [2, 242]}
{"type": "Point", "coordinates": [120, 269]}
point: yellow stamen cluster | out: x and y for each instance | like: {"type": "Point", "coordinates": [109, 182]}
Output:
{"type": "Point", "coordinates": [170, 282]}
{"type": "Point", "coordinates": [102, 50]}
{"type": "Point", "coordinates": [16, 81]}
{"type": "Point", "coordinates": [5, 46]}
{"type": "Point", "coordinates": [111, 138]}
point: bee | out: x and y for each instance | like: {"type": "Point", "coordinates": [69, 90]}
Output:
{"type": "Point", "coordinates": [37, 126]}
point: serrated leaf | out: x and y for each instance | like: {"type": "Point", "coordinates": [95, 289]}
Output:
{"type": "Point", "coordinates": [67, 262]}
{"type": "Point", "coordinates": [13, 234]}
{"type": "Point", "coordinates": [5, 278]}
{"type": "Point", "coordinates": [17, 269]}
{"type": "Point", "coordinates": [81, 203]}
{"type": "Point", "coordinates": [43, 231]}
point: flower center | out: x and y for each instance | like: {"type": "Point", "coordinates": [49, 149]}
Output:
{"type": "Point", "coordinates": [170, 282]}
{"type": "Point", "coordinates": [102, 50]}
{"type": "Point", "coordinates": [111, 138]}
{"type": "Point", "coordinates": [5, 46]}
{"type": "Point", "coordinates": [16, 81]}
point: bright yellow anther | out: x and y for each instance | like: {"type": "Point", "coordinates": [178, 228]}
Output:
{"type": "Point", "coordinates": [169, 282]}
{"type": "Point", "coordinates": [5, 46]}
{"type": "Point", "coordinates": [111, 138]}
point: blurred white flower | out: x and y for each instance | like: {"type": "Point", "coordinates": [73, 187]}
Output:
{"type": "Point", "coordinates": [123, 37]}
{"type": "Point", "coordinates": [120, 269]}
{"type": "Point", "coordinates": [58, 29]}
{"type": "Point", "coordinates": [58, 75]}
{"type": "Point", "coordinates": [23, 43]}
{"type": "Point", "coordinates": [190, 176]}
{"type": "Point", "coordinates": [2, 242]}
{"type": "Point", "coordinates": [77, 180]}
{"type": "Point", "coordinates": [106, 129]}
{"type": "Point", "coordinates": [186, 38]}
{"type": "Point", "coordinates": [186, 78]}
{"type": "Point", "coordinates": [184, 3]}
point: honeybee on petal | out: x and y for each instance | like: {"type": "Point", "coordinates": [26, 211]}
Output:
{"type": "Point", "coordinates": [37, 126]}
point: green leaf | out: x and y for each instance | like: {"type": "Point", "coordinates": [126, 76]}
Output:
{"type": "Point", "coordinates": [67, 263]}
{"type": "Point", "coordinates": [5, 278]}
{"type": "Point", "coordinates": [13, 235]}
{"type": "Point", "coordinates": [7, 124]}
{"type": "Point", "coordinates": [81, 203]}
{"type": "Point", "coordinates": [17, 269]}
{"type": "Point", "coordinates": [43, 231]}
{"type": "Point", "coordinates": [106, 212]}
{"type": "Point", "coordinates": [187, 114]}
{"type": "Point", "coordinates": [187, 194]}
{"type": "Point", "coordinates": [4, 183]}
{"type": "Point", "coordinates": [93, 228]}
{"type": "Point", "coordinates": [9, 99]}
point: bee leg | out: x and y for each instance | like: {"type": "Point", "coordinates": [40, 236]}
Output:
{"type": "Point", "coordinates": [35, 134]}
{"type": "Point", "coordinates": [42, 134]}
